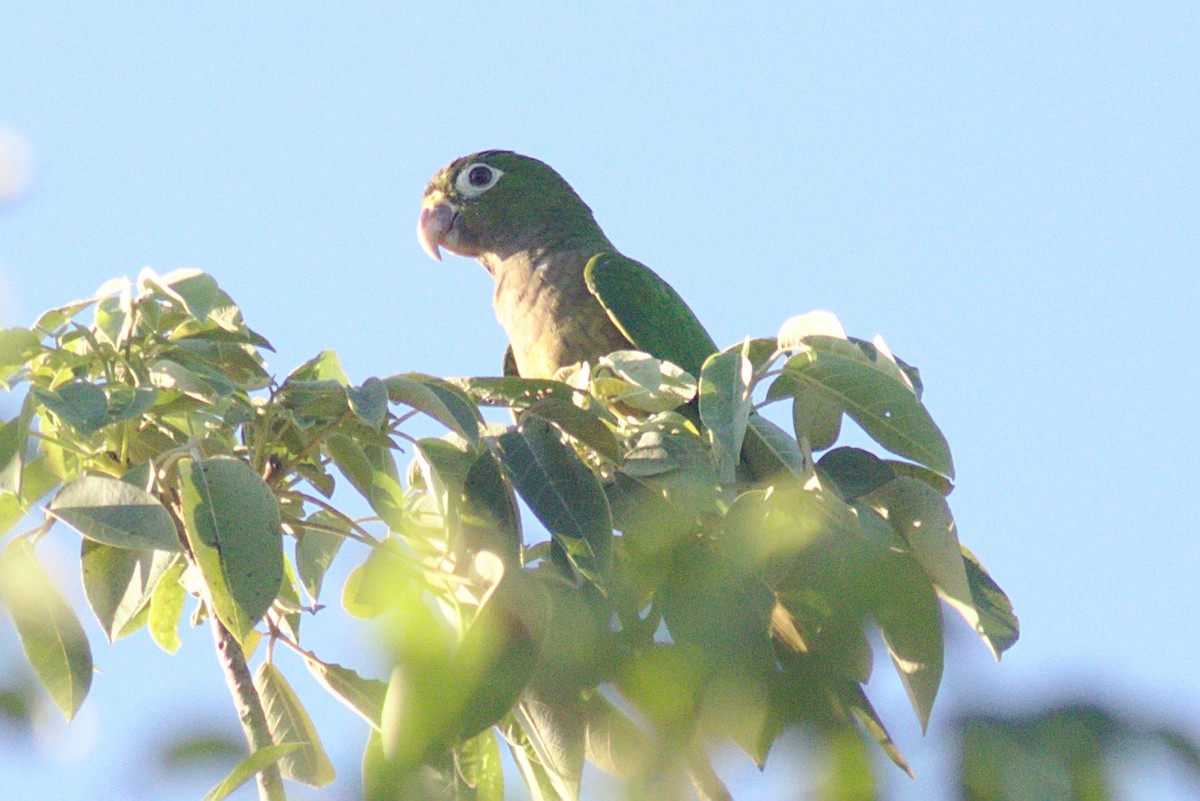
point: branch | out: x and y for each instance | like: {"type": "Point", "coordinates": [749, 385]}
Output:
{"type": "Point", "coordinates": [248, 706]}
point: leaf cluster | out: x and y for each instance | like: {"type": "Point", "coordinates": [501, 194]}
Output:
{"type": "Point", "coordinates": [696, 574]}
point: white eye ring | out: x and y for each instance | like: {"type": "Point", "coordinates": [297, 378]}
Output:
{"type": "Point", "coordinates": [477, 178]}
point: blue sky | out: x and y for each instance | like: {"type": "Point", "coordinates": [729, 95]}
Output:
{"type": "Point", "coordinates": [1008, 194]}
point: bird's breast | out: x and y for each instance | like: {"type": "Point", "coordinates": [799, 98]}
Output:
{"type": "Point", "coordinates": [551, 318]}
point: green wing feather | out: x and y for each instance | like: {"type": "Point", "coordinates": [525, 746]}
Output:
{"type": "Point", "coordinates": [648, 311]}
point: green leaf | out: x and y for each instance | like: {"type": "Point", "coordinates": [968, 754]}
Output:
{"type": "Point", "coordinates": [232, 523]}
{"type": "Point", "coordinates": [37, 479]}
{"type": "Point", "coordinates": [885, 407]}
{"type": "Point", "coordinates": [236, 361]}
{"type": "Point", "coordinates": [581, 425]}
{"type": "Point", "coordinates": [316, 549]}
{"type": "Point", "coordinates": [113, 512]}
{"type": "Point", "coordinates": [725, 407]}
{"type": "Point", "coordinates": [325, 366]}
{"type": "Point", "coordinates": [816, 416]}
{"type": "Point", "coordinates": [289, 722]}
{"type": "Point", "coordinates": [563, 494]}
{"type": "Point", "coordinates": [80, 404]}
{"type": "Point", "coordinates": [166, 608]}
{"type": "Point", "coordinates": [369, 402]}
{"type": "Point", "coordinates": [169, 374]}
{"type": "Point", "coordinates": [444, 468]}
{"type": "Point", "coordinates": [480, 766]}
{"type": "Point", "coordinates": [919, 514]}
{"type": "Point", "coordinates": [490, 518]}
{"type": "Point", "coordinates": [853, 472]}
{"type": "Point", "coordinates": [512, 392]}
{"type": "Point", "coordinates": [770, 451]}
{"type": "Point", "coordinates": [197, 291]}
{"type": "Point", "coordinates": [13, 444]}
{"type": "Point", "coordinates": [556, 730]}
{"type": "Point", "coordinates": [49, 321]}
{"type": "Point", "coordinates": [246, 769]}
{"type": "Point", "coordinates": [362, 696]}
{"type": "Point", "coordinates": [50, 633]}
{"type": "Point", "coordinates": [17, 346]}
{"type": "Point", "coordinates": [439, 399]}
{"type": "Point", "coordinates": [795, 330]}
{"type": "Point", "coordinates": [118, 583]}
{"type": "Point", "coordinates": [905, 607]}
{"type": "Point", "coordinates": [999, 626]}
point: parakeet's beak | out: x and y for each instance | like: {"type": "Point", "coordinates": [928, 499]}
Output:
{"type": "Point", "coordinates": [437, 215]}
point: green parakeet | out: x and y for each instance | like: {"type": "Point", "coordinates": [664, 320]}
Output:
{"type": "Point", "coordinates": [563, 292]}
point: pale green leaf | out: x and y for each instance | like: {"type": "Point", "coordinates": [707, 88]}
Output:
{"type": "Point", "coordinates": [119, 582]}
{"type": "Point", "coordinates": [289, 722]}
{"type": "Point", "coordinates": [480, 766]}
{"type": "Point", "coordinates": [50, 634]}
{"type": "Point", "coordinates": [362, 696]}
{"type": "Point", "coordinates": [166, 607]}
{"type": "Point", "coordinates": [114, 512]}
{"type": "Point", "coordinates": [245, 770]}
{"type": "Point", "coordinates": [725, 407]}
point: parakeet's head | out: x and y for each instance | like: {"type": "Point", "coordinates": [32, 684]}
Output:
{"type": "Point", "coordinates": [495, 203]}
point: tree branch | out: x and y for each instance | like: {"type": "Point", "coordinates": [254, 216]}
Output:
{"type": "Point", "coordinates": [248, 706]}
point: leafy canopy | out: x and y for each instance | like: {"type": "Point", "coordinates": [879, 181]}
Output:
{"type": "Point", "coordinates": [699, 574]}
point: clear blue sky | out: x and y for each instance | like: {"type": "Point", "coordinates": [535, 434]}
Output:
{"type": "Point", "coordinates": [1010, 194]}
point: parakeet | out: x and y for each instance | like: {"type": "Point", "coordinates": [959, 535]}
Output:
{"type": "Point", "coordinates": [563, 292]}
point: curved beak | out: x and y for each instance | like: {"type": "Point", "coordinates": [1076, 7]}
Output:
{"type": "Point", "coordinates": [437, 215]}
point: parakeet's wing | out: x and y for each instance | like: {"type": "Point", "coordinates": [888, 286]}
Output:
{"type": "Point", "coordinates": [648, 311]}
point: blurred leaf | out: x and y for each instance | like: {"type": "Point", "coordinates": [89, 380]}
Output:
{"type": "Point", "coordinates": [290, 723]}
{"type": "Point", "coordinates": [52, 319]}
{"type": "Point", "coordinates": [17, 346]}
{"type": "Point", "coordinates": [50, 633]}
{"type": "Point", "coordinates": [363, 696]}
{"type": "Point", "coordinates": [885, 408]}
{"type": "Point", "coordinates": [480, 766]}
{"type": "Point", "coordinates": [13, 446]}
{"type": "Point", "coordinates": [246, 769]}
{"type": "Point", "coordinates": [119, 582]}
{"type": "Point", "coordinates": [770, 452]}
{"type": "Point", "coordinates": [556, 731]}
{"type": "Point", "coordinates": [563, 494]}
{"type": "Point", "coordinates": [815, 415]}
{"type": "Point", "coordinates": [325, 366]}
{"type": "Point", "coordinates": [116, 513]}
{"type": "Point", "coordinates": [998, 625]}
{"type": "Point", "coordinates": [846, 772]}
{"type": "Point", "coordinates": [614, 743]}
{"type": "Point", "coordinates": [725, 407]}
{"type": "Point", "coordinates": [232, 523]}
{"type": "Point", "coordinates": [166, 607]}
{"type": "Point", "coordinates": [169, 374]}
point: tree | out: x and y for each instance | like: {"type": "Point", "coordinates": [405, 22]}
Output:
{"type": "Point", "coordinates": [705, 577]}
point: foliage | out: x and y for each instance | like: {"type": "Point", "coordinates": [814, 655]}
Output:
{"type": "Point", "coordinates": [705, 577]}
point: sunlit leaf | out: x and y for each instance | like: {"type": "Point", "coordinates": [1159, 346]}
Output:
{"type": "Point", "coordinates": [363, 696]}
{"type": "Point", "coordinates": [725, 407]}
{"type": "Point", "coordinates": [116, 513]}
{"type": "Point", "coordinates": [885, 408]}
{"type": "Point", "coordinates": [439, 399]}
{"type": "Point", "coordinates": [289, 723]}
{"type": "Point", "coordinates": [232, 523]}
{"type": "Point", "coordinates": [166, 607]}
{"type": "Point", "coordinates": [50, 633]}
{"type": "Point", "coordinates": [998, 625]}
{"type": "Point", "coordinates": [245, 770]}
{"type": "Point", "coordinates": [118, 583]}
{"type": "Point", "coordinates": [17, 346]}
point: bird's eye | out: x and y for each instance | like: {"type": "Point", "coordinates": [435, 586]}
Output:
{"type": "Point", "coordinates": [476, 179]}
